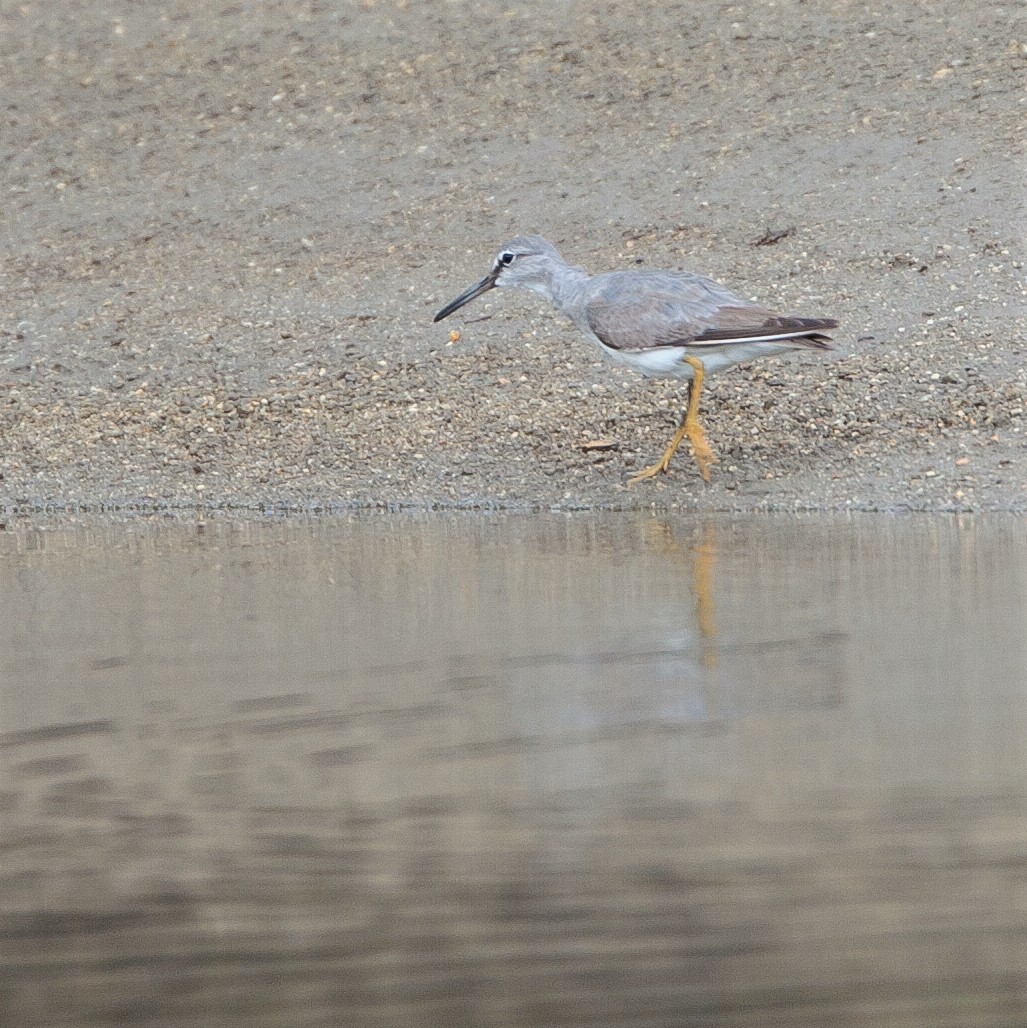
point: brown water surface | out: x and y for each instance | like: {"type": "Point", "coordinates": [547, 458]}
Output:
{"type": "Point", "coordinates": [577, 770]}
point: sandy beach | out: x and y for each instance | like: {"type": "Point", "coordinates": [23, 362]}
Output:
{"type": "Point", "coordinates": [227, 230]}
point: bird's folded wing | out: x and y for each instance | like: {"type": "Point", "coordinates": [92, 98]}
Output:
{"type": "Point", "coordinates": [751, 324]}
{"type": "Point", "coordinates": [671, 319]}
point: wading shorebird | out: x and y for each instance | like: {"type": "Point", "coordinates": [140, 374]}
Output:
{"type": "Point", "coordinates": [664, 324]}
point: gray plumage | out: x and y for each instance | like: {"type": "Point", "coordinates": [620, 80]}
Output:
{"type": "Point", "coordinates": [649, 320]}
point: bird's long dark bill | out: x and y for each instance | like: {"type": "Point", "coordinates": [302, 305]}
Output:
{"type": "Point", "coordinates": [476, 290]}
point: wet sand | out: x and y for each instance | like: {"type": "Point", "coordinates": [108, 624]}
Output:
{"type": "Point", "coordinates": [227, 229]}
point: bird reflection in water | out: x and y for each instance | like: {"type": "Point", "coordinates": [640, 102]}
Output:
{"type": "Point", "coordinates": [699, 556]}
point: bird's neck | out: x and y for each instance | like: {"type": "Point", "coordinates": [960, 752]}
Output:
{"type": "Point", "coordinates": [565, 287]}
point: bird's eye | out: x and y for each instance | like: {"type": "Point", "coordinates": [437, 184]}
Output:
{"type": "Point", "coordinates": [506, 258]}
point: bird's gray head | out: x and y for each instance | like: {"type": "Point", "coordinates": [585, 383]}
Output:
{"type": "Point", "coordinates": [526, 262]}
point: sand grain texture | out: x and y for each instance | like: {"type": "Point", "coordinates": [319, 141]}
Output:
{"type": "Point", "coordinates": [227, 229]}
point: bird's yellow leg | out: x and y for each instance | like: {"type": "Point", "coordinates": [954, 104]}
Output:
{"type": "Point", "coordinates": [690, 428]}
{"type": "Point", "coordinates": [693, 428]}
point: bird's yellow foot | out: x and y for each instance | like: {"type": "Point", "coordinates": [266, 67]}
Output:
{"type": "Point", "coordinates": [650, 472]}
{"type": "Point", "coordinates": [703, 454]}
{"type": "Point", "coordinates": [704, 457]}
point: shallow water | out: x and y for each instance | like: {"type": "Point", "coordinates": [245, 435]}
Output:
{"type": "Point", "coordinates": [616, 770]}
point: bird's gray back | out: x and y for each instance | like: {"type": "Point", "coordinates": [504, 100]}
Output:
{"type": "Point", "coordinates": [638, 309]}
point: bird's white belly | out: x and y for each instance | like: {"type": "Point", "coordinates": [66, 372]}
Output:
{"type": "Point", "coordinates": [669, 361]}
